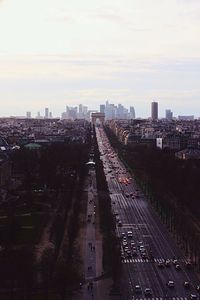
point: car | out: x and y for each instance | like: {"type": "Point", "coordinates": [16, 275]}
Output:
{"type": "Point", "coordinates": [193, 296]}
{"type": "Point", "coordinates": [126, 248]}
{"type": "Point", "coordinates": [120, 223]}
{"type": "Point", "coordinates": [170, 283]}
{"type": "Point", "coordinates": [117, 218]}
{"type": "Point", "coordinates": [188, 264]}
{"type": "Point", "coordinates": [178, 267]}
{"type": "Point", "coordinates": [134, 252]}
{"type": "Point", "coordinates": [160, 264]}
{"type": "Point", "coordinates": [148, 292]}
{"type": "Point", "coordinates": [138, 288]}
{"type": "Point", "coordinates": [198, 288]}
{"type": "Point", "coordinates": [144, 255]}
{"type": "Point", "coordinates": [129, 234]}
{"type": "Point", "coordinates": [128, 254]}
{"type": "Point", "coordinates": [167, 263]}
{"type": "Point", "coordinates": [141, 248]}
{"type": "Point", "coordinates": [175, 261]}
{"type": "Point", "coordinates": [186, 284]}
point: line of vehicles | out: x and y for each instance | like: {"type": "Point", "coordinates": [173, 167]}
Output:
{"type": "Point", "coordinates": [171, 271]}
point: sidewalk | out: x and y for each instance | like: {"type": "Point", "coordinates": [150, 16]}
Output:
{"type": "Point", "coordinates": [94, 288]}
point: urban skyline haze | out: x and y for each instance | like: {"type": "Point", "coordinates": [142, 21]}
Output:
{"type": "Point", "coordinates": [58, 53]}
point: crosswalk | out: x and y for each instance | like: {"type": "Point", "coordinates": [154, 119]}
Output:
{"type": "Point", "coordinates": [136, 260]}
{"type": "Point", "coordinates": [160, 298]}
{"type": "Point", "coordinates": [142, 260]}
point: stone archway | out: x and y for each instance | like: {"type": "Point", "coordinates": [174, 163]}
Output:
{"type": "Point", "coordinates": [99, 116]}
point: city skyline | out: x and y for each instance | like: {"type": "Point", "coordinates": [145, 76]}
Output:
{"type": "Point", "coordinates": [62, 53]}
{"type": "Point", "coordinates": [111, 111]}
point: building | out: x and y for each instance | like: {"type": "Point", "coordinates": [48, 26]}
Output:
{"type": "Point", "coordinates": [186, 118]}
{"type": "Point", "coordinates": [168, 114]}
{"type": "Point", "coordinates": [46, 113]}
{"type": "Point", "coordinates": [132, 112]}
{"type": "Point", "coordinates": [72, 112]}
{"type": "Point", "coordinates": [154, 110]}
{"type": "Point", "coordinates": [102, 108]}
{"type": "Point", "coordinates": [188, 153]}
{"type": "Point", "coordinates": [28, 115]}
{"type": "Point", "coordinates": [80, 111]}
{"type": "Point", "coordinates": [38, 115]}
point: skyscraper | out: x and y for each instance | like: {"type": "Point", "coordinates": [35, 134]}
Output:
{"type": "Point", "coordinates": [28, 115]}
{"type": "Point", "coordinates": [46, 113]}
{"type": "Point", "coordinates": [102, 108]}
{"type": "Point", "coordinates": [132, 112]}
{"type": "Point", "coordinates": [154, 110]}
{"type": "Point", "coordinates": [168, 114]}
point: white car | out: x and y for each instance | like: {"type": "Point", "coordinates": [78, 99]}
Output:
{"type": "Point", "coordinates": [129, 234]}
{"type": "Point", "coordinates": [193, 296]}
{"type": "Point", "coordinates": [170, 283]}
{"type": "Point", "coordinates": [138, 288]}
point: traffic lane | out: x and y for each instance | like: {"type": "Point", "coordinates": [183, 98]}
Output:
{"type": "Point", "coordinates": [168, 275]}
{"type": "Point", "coordinates": [146, 274]}
{"type": "Point", "coordinates": [168, 269]}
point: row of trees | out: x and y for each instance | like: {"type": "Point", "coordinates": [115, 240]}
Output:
{"type": "Point", "coordinates": [172, 187]}
{"type": "Point", "coordinates": [61, 168]}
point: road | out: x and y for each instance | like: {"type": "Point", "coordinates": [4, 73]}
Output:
{"type": "Point", "coordinates": [151, 259]}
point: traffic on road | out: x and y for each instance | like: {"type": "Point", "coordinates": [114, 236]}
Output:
{"type": "Point", "coordinates": [153, 265]}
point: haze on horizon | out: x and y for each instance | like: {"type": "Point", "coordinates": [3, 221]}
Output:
{"type": "Point", "coordinates": [64, 52]}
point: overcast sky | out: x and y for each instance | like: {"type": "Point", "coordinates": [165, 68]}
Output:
{"type": "Point", "coordinates": [66, 52]}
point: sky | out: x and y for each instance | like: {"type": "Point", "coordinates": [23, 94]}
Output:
{"type": "Point", "coordinates": [55, 53]}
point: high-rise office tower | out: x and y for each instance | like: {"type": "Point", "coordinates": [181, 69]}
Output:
{"type": "Point", "coordinates": [168, 114]}
{"type": "Point", "coordinates": [28, 115]}
{"type": "Point", "coordinates": [132, 112]}
{"type": "Point", "coordinates": [46, 113]}
{"type": "Point", "coordinates": [102, 108]}
{"type": "Point", "coordinates": [154, 110]}
{"type": "Point", "coordinates": [80, 108]}
{"type": "Point", "coordinates": [80, 111]}
{"type": "Point", "coordinates": [120, 111]}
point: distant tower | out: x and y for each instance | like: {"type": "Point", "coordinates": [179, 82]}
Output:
{"type": "Point", "coordinates": [102, 108]}
{"type": "Point", "coordinates": [46, 114]}
{"type": "Point", "coordinates": [28, 115]}
{"type": "Point", "coordinates": [168, 114]}
{"type": "Point", "coordinates": [80, 108]}
{"type": "Point", "coordinates": [154, 110]}
{"type": "Point", "coordinates": [132, 112]}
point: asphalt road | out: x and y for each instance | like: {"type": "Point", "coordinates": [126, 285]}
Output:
{"type": "Point", "coordinates": [149, 244]}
